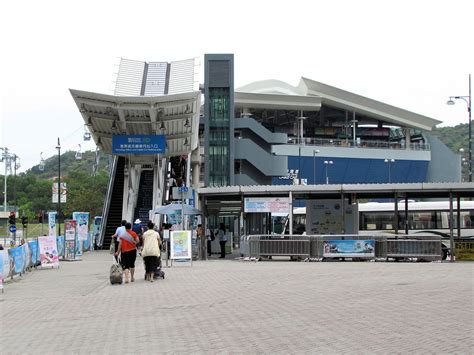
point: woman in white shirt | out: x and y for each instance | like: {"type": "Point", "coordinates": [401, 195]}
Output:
{"type": "Point", "coordinates": [151, 251]}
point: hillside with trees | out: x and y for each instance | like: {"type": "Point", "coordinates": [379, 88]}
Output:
{"type": "Point", "coordinates": [455, 138]}
{"type": "Point", "coordinates": [86, 184]}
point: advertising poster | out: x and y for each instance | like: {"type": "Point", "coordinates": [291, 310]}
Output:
{"type": "Point", "coordinates": [18, 256]}
{"type": "Point", "coordinates": [60, 245]}
{"type": "Point", "coordinates": [48, 251]}
{"type": "Point", "coordinates": [180, 245]}
{"type": "Point", "coordinates": [4, 266]}
{"type": "Point", "coordinates": [267, 205]}
{"type": "Point", "coordinates": [70, 229]}
{"type": "Point", "coordinates": [82, 224]}
{"type": "Point", "coordinates": [349, 249]}
{"type": "Point", "coordinates": [34, 255]}
{"type": "Point", "coordinates": [63, 192]}
{"type": "Point", "coordinates": [52, 223]}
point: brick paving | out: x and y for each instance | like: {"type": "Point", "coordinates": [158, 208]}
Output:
{"type": "Point", "coordinates": [228, 306]}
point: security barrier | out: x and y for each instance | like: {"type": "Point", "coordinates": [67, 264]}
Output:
{"type": "Point", "coordinates": [429, 250]}
{"type": "Point", "coordinates": [312, 247]}
{"type": "Point", "coordinates": [293, 246]}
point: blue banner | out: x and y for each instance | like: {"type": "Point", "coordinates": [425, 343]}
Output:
{"type": "Point", "coordinates": [34, 253]}
{"type": "Point", "coordinates": [138, 144]}
{"type": "Point", "coordinates": [19, 256]}
{"type": "Point", "coordinates": [349, 248]}
{"type": "Point", "coordinates": [60, 245]}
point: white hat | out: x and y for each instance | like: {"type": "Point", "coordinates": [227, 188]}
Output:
{"type": "Point", "coordinates": [137, 221]}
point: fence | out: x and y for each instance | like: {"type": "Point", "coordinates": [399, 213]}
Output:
{"type": "Point", "coordinates": [17, 260]}
{"type": "Point", "coordinates": [317, 246]}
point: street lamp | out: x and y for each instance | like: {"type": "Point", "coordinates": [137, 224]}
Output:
{"type": "Point", "coordinates": [315, 151]}
{"type": "Point", "coordinates": [301, 142]}
{"type": "Point", "coordinates": [389, 162]}
{"type": "Point", "coordinates": [59, 185]}
{"type": "Point", "coordinates": [326, 163]}
{"type": "Point", "coordinates": [466, 99]}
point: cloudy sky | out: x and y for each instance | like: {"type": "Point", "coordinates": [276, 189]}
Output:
{"type": "Point", "coordinates": [411, 54]}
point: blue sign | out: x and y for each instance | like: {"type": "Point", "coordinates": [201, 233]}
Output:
{"type": "Point", "coordinates": [139, 144]}
{"type": "Point", "coordinates": [12, 228]}
{"type": "Point", "coordinates": [183, 189]}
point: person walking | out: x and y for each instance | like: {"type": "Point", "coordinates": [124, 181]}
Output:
{"type": "Point", "coordinates": [137, 228]}
{"type": "Point", "coordinates": [128, 252]}
{"type": "Point", "coordinates": [222, 239]}
{"type": "Point", "coordinates": [120, 231]}
{"type": "Point", "coordinates": [151, 251]}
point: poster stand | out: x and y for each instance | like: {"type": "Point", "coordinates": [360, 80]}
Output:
{"type": "Point", "coordinates": [48, 251]}
{"type": "Point", "coordinates": [70, 236]}
{"type": "Point", "coordinates": [180, 247]}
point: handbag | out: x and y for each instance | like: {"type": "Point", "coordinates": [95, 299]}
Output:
{"type": "Point", "coordinates": [112, 248]}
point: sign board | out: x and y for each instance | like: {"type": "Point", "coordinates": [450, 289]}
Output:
{"type": "Point", "coordinates": [464, 249]}
{"type": "Point", "coordinates": [138, 144]}
{"type": "Point", "coordinates": [48, 251]}
{"type": "Point", "coordinates": [267, 205]}
{"type": "Point", "coordinates": [180, 242]}
{"type": "Point", "coordinates": [182, 192]}
{"type": "Point", "coordinates": [63, 192]}
{"type": "Point", "coordinates": [12, 228]}
{"type": "Point", "coordinates": [349, 248]}
{"type": "Point", "coordinates": [333, 216]}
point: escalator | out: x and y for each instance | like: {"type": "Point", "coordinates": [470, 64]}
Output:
{"type": "Point", "coordinates": [114, 211]}
{"type": "Point", "coordinates": [145, 197]}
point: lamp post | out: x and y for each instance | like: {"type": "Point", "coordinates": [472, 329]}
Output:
{"type": "Point", "coordinates": [389, 162]}
{"type": "Point", "coordinates": [59, 185]}
{"type": "Point", "coordinates": [466, 99]}
{"type": "Point", "coordinates": [301, 142]}
{"type": "Point", "coordinates": [326, 163]}
{"type": "Point", "coordinates": [315, 151]}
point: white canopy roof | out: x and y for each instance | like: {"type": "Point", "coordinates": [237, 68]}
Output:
{"type": "Point", "coordinates": [176, 116]}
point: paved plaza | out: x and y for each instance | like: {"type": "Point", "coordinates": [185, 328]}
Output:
{"type": "Point", "coordinates": [230, 306]}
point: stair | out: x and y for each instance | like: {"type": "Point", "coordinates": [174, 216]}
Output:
{"type": "Point", "coordinates": [145, 197]}
{"type": "Point", "coordinates": [116, 203]}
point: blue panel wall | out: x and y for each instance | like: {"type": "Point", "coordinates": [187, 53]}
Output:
{"type": "Point", "coordinates": [351, 171]}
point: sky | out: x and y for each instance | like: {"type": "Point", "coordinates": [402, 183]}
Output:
{"type": "Point", "coordinates": [410, 54]}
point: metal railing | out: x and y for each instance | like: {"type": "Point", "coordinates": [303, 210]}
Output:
{"type": "Point", "coordinates": [312, 246]}
{"type": "Point", "coordinates": [373, 144]}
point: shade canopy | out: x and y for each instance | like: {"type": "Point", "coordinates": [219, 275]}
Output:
{"type": "Point", "coordinates": [173, 207]}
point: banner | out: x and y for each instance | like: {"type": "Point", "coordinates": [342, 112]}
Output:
{"type": "Point", "coordinates": [19, 259]}
{"type": "Point", "coordinates": [4, 266]}
{"type": "Point", "coordinates": [52, 223]}
{"type": "Point", "coordinates": [267, 205]}
{"type": "Point", "coordinates": [349, 249]}
{"type": "Point", "coordinates": [63, 192]}
{"type": "Point", "coordinates": [48, 251]}
{"type": "Point", "coordinates": [60, 244]}
{"type": "Point", "coordinates": [82, 224]}
{"type": "Point", "coordinates": [34, 254]}
{"type": "Point", "coordinates": [180, 245]}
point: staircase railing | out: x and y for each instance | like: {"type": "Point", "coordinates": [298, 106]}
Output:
{"type": "Point", "coordinates": [108, 196]}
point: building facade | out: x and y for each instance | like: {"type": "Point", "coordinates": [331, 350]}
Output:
{"type": "Point", "coordinates": [314, 133]}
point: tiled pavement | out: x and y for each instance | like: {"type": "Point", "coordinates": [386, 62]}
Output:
{"type": "Point", "coordinates": [228, 306]}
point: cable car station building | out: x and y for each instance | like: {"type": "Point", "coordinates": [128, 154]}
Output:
{"type": "Point", "coordinates": [264, 133]}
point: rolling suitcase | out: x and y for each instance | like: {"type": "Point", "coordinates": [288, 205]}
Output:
{"type": "Point", "coordinates": [116, 273]}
